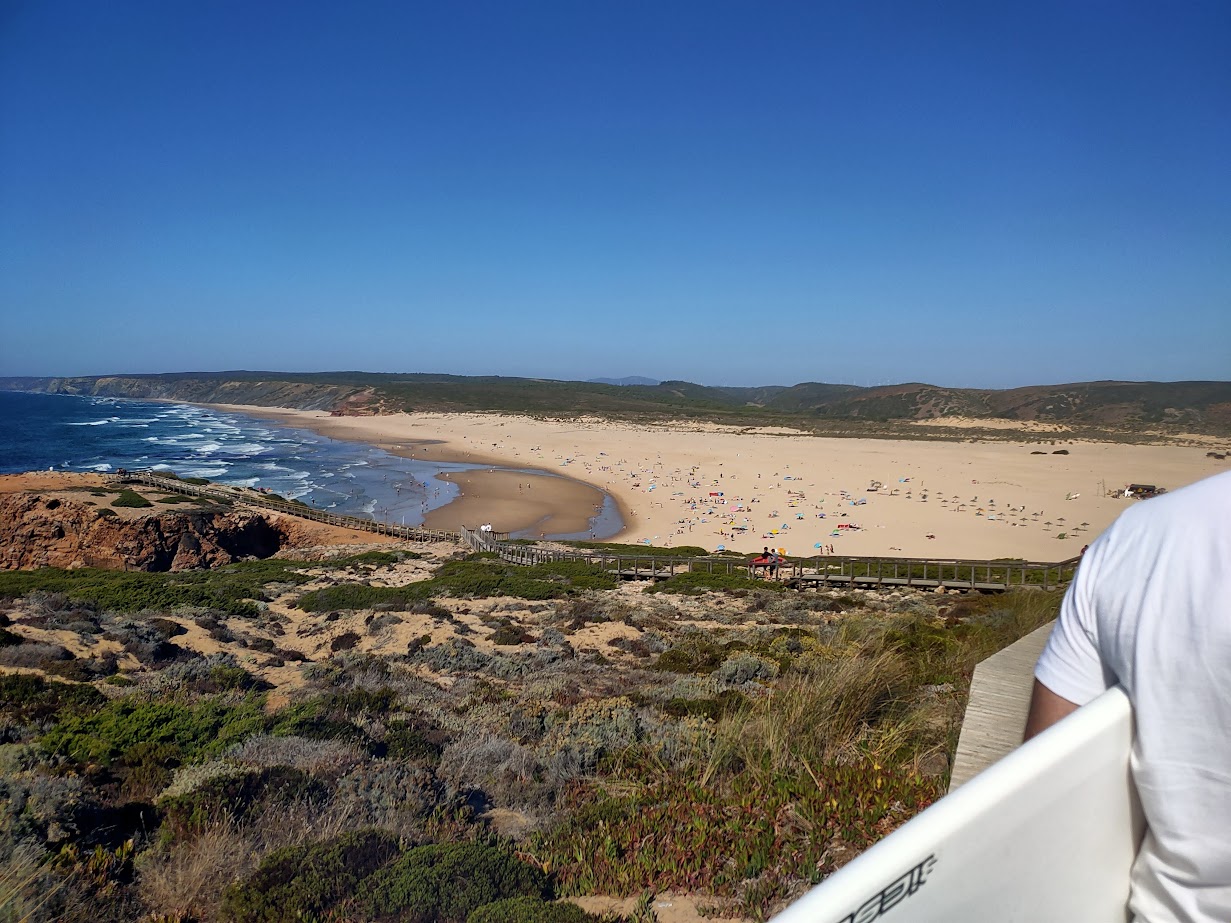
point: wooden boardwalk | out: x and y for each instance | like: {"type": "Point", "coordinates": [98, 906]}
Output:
{"type": "Point", "coordinates": [997, 706]}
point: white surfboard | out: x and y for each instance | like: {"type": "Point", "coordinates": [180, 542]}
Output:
{"type": "Point", "coordinates": [1047, 834]}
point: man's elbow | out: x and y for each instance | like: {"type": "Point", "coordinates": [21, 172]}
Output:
{"type": "Point", "coordinates": [1046, 708]}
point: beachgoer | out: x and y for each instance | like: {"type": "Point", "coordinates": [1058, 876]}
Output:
{"type": "Point", "coordinates": [1149, 609]}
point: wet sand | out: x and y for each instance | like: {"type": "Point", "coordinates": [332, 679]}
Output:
{"type": "Point", "coordinates": [515, 502]}
{"type": "Point", "coordinates": [532, 502]}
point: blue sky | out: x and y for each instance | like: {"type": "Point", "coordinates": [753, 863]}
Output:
{"type": "Point", "coordinates": [971, 194]}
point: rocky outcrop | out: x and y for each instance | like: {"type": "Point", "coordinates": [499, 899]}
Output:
{"type": "Point", "coordinates": [38, 531]}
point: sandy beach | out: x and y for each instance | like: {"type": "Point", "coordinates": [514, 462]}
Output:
{"type": "Point", "coordinates": [517, 502]}
{"type": "Point", "coordinates": [706, 485]}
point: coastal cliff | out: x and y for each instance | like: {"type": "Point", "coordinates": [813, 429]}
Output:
{"type": "Point", "coordinates": [300, 395]}
{"type": "Point", "coordinates": [46, 531]}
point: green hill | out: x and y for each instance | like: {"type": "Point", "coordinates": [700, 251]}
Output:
{"type": "Point", "coordinates": [1183, 405]}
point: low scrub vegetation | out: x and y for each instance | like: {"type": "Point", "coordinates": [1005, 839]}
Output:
{"type": "Point", "coordinates": [525, 733]}
{"type": "Point", "coordinates": [130, 498]}
{"type": "Point", "coordinates": [233, 589]}
{"type": "Point", "coordinates": [693, 583]}
{"type": "Point", "coordinates": [484, 577]}
{"type": "Point", "coordinates": [642, 551]}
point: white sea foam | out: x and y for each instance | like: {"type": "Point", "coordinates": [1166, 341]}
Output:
{"type": "Point", "coordinates": [246, 448]}
{"type": "Point", "coordinates": [208, 449]}
{"type": "Point", "coordinates": [203, 472]}
{"type": "Point", "coordinates": [101, 467]}
{"type": "Point", "coordinates": [96, 422]}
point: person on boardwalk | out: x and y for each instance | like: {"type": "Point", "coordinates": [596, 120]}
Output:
{"type": "Point", "coordinates": [1149, 609]}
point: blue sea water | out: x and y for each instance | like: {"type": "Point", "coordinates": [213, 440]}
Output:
{"type": "Point", "coordinates": [70, 433]}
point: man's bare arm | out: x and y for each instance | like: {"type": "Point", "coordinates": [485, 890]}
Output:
{"type": "Point", "coordinates": [1046, 708]}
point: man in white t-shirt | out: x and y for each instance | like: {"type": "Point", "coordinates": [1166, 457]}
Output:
{"type": "Point", "coordinates": [1150, 609]}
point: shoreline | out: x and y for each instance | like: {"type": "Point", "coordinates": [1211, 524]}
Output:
{"type": "Point", "coordinates": [741, 491]}
{"type": "Point", "coordinates": [515, 498]}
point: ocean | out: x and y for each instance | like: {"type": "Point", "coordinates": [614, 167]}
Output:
{"type": "Point", "coordinates": [70, 433]}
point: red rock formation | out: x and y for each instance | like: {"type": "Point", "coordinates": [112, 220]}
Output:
{"type": "Point", "coordinates": [41, 531]}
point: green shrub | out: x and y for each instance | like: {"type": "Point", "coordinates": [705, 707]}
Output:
{"type": "Point", "coordinates": [483, 577]}
{"type": "Point", "coordinates": [694, 653]}
{"type": "Point", "coordinates": [694, 583]}
{"type": "Point", "coordinates": [446, 883]}
{"type": "Point", "coordinates": [104, 735]}
{"type": "Point", "coordinates": [510, 635]}
{"type": "Point", "coordinates": [376, 558]}
{"type": "Point", "coordinates": [405, 741]}
{"type": "Point", "coordinates": [27, 699]}
{"type": "Point", "coordinates": [237, 796]}
{"type": "Point", "coordinates": [328, 717]}
{"type": "Point", "coordinates": [130, 498]}
{"type": "Point", "coordinates": [724, 703]}
{"type": "Point", "coordinates": [530, 910]}
{"type": "Point", "coordinates": [306, 882]}
{"type": "Point", "coordinates": [228, 589]}
{"type": "Point", "coordinates": [107, 512]}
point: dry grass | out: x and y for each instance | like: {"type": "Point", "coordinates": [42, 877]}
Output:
{"type": "Point", "coordinates": [823, 716]}
{"type": "Point", "coordinates": [188, 880]}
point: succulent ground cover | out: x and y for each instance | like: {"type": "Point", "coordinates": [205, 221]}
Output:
{"type": "Point", "coordinates": [332, 740]}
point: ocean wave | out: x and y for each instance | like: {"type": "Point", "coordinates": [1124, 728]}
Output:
{"type": "Point", "coordinates": [95, 422]}
{"type": "Point", "coordinates": [202, 472]}
{"type": "Point", "coordinates": [100, 467]}
{"type": "Point", "coordinates": [208, 449]}
{"type": "Point", "coordinates": [245, 448]}
{"type": "Point", "coordinates": [244, 482]}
